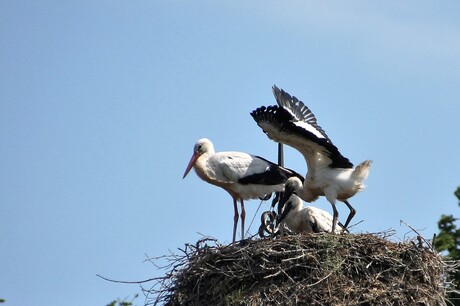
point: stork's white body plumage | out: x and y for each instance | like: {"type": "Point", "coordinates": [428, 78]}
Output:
{"type": "Point", "coordinates": [334, 183]}
{"type": "Point", "coordinates": [329, 174]}
{"type": "Point", "coordinates": [242, 175]}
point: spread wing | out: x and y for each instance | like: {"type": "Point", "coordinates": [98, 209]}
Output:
{"type": "Point", "coordinates": [292, 123]}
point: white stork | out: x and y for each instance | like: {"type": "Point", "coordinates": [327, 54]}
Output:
{"type": "Point", "coordinates": [242, 175]}
{"type": "Point", "coordinates": [329, 174]}
{"type": "Point", "coordinates": [301, 219]}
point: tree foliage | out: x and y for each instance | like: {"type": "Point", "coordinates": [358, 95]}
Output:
{"type": "Point", "coordinates": [448, 240]}
{"type": "Point", "coordinates": [119, 302]}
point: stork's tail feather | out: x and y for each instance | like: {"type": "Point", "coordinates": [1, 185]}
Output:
{"type": "Point", "coordinates": [362, 171]}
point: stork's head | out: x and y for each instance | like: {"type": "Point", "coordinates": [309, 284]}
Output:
{"type": "Point", "coordinates": [202, 146]}
{"type": "Point", "coordinates": [292, 187]}
{"type": "Point", "coordinates": [287, 207]}
{"type": "Point", "coordinates": [293, 205]}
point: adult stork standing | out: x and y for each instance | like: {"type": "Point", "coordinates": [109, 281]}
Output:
{"type": "Point", "coordinates": [329, 173]}
{"type": "Point", "coordinates": [301, 219]}
{"type": "Point", "coordinates": [242, 175]}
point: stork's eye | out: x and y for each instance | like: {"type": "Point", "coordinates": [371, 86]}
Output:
{"type": "Point", "coordinates": [199, 148]}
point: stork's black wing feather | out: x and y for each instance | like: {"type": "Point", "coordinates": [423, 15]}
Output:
{"type": "Point", "coordinates": [298, 110]}
{"type": "Point", "coordinates": [273, 175]}
{"type": "Point", "coordinates": [282, 125]}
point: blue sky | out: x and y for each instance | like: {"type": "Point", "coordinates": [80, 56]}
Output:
{"type": "Point", "coordinates": [101, 103]}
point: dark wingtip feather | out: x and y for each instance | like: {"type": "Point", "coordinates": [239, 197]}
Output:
{"type": "Point", "coordinates": [300, 111]}
{"type": "Point", "coordinates": [281, 119]}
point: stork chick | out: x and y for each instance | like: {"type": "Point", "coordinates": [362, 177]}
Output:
{"type": "Point", "coordinates": [301, 219]}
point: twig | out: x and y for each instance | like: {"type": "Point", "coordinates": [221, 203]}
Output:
{"type": "Point", "coordinates": [131, 282]}
{"type": "Point", "coordinates": [419, 236]}
{"type": "Point", "coordinates": [258, 208]}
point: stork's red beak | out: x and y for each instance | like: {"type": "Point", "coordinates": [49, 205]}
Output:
{"type": "Point", "coordinates": [191, 163]}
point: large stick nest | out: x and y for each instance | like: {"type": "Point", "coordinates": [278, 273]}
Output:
{"type": "Point", "coordinates": [313, 269]}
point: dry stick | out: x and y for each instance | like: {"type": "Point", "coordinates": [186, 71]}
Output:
{"type": "Point", "coordinates": [131, 282]}
{"type": "Point", "coordinates": [247, 231]}
{"type": "Point", "coordinates": [355, 224]}
{"type": "Point", "coordinates": [324, 278]}
{"type": "Point", "coordinates": [419, 235]}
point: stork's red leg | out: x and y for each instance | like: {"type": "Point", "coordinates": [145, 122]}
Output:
{"type": "Point", "coordinates": [351, 215]}
{"type": "Point", "coordinates": [235, 219]}
{"type": "Point", "coordinates": [243, 216]}
{"type": "Point", "coordinates": [335, 217]}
